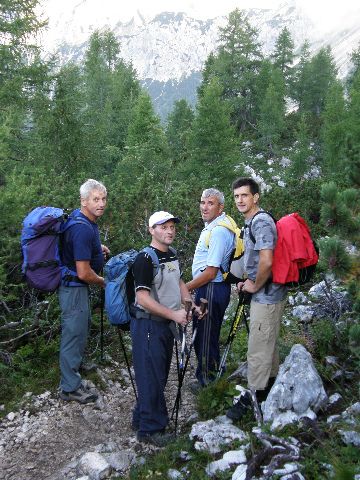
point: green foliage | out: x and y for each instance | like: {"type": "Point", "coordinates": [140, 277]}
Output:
{"type": "Point", "coordinates": [33, 368]}
{"type": "Point", "coordinates": [272, 112]}
{"type": "Point", "coordinates": [317, 74]}
{"type": "Point", "coordinates": [334, 131]}
{"type": "Point", "coordinates": [157, 465]}
{"type": "Point", "coordinates": [178, 131]}
{"type": "Point", "coordinates": [353, 132]}
{"type": "Point", "coordinates": [215, 399]}
{"type": "Point", "coordinates": [323, 334]}
{"type": "Point", "coordinates": [283, 56]}
{"type": "Point", "coordinates": [354, 341]}
{"type": "Point", "coordinates": [213, 139]}
{"type": "Point", "coordinates": [333, 256]}
{"type": "Point", "coordinates": [338, 213]}
{"type": "Point", "coordinates": [300, 157]}
{"type": "Point", "coordinates": [236, 65]}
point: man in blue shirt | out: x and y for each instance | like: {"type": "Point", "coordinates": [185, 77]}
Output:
{"type": "Point", "coordinates": [83, 256]}
{"type": "Point", "coordinates": [212, 256]}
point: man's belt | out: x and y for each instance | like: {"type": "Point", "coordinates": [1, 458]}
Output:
{"type": "Point", "coordinates": [138, 313]}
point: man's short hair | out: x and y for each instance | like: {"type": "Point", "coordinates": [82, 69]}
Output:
{"type": "Point", "coordinates": [89, 186]}
{"type": "Point", "coordinates": [213, 192]}
{"type": "Point", "coordinates": [246, 182]}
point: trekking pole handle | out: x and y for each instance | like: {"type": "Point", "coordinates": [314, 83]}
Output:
{"type": "Point", "coordinates": [188, 304]}
{"type": "Point", "coordinates": [203, 305]}
{"type": "Point", "coordinates": [245, 297]}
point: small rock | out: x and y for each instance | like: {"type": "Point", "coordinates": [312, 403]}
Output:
{"type": "Point", "coordinates": [94, 465]}
{"type": "Point", "coordinates": [121, 461]}
{"type": "Point", "coordinates": [335, 398]}
{"type": "Point", "coordinates": [287, 469]}
{"type": "Point", "coordinates": [11, 416]}
{"type": "Point", "coordinates": [293, 476]}
{"type": "Point", "coordinates": [305, 313]}
{"type": "Point", "coordinates": [350, 437]}
{"type": "Point", "coordinates": [331, 360]}
{"type": "Point", "coordinates": [174, 474]}
{"type": "Point", "coordinates": [185, 456]}
{"type": "Point", "coordinates": [333, 419]}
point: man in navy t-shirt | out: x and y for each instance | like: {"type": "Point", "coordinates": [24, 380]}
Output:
{"type": "Point", "coordinates": [83, 255]}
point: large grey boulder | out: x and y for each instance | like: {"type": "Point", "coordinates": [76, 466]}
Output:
{"type": "Point", "coordinates": [297, 392]}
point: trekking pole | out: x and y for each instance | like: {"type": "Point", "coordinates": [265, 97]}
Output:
{"type": "Point", "coordinates": [243, 298]}
{"type": "Point", "coordinates": [127, 361]}
{"type": "Point", "coordinates": [203, 307]}
{"type": "Point", "coordinates": [177, 359]}
{"type": "Point", "coordinates": [102, 303]}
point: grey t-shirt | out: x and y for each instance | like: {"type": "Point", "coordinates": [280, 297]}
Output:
{"type": "Point", "coordinates": [264, 231]}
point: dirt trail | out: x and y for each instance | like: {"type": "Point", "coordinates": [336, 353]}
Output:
{"type": "Point", "coordinates": [47, 437]}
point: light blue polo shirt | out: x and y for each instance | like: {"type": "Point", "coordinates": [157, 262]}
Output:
{"type": "Point", "coordinates": [218, 253]}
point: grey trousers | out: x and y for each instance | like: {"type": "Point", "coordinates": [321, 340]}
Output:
{"type": "Point", "coordinates": [75, 325]}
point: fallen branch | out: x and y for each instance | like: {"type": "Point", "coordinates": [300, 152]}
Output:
{"type": "Point", "coordinates": [10, 325]}
{"type": "Point", "coordinates": [23, 335]}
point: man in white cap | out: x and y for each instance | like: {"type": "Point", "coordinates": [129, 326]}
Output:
{"type": "Point", "coordinates": [157, 306]}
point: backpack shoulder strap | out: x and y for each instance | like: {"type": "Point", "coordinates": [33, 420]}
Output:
{"type": "Point", "coordinates": [230, 225]}
{"type": "Point", "coordinates": [75, 220]}
{"type": "Point", "coordinates": [154, 258]}
{"type": "Point", "coordinates": [251, 235]}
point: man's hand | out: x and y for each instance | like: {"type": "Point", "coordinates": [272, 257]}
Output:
{"type": "Point", "coordinates": [199, 313]}
{"type": "Point", "coordinates": [240, 286]}
{"type": "Point", "coordinates": [180, 317]}
{"type": "Point", "coordinates": [248, 286]}
{"type": "Point", "coordinates": [105, 251]}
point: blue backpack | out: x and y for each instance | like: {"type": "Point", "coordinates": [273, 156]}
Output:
{"type": "Point", "coordinates": [40, 247]}
{"type": "Point", "coordinates": [119, 289]}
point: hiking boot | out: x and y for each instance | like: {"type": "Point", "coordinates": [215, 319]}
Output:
{"type": "Point", "coordinates": [81, 395]}
{"type": "Point", "coordinates": [158, 439]}
{"type": "Point", "coordinates": [241, 407]}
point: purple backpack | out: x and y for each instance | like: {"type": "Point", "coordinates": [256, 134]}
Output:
{"type": "Point", "coordinates": [40, 246]}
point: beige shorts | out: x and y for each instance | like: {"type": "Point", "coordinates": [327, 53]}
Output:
{"type": "Point", "coordinates": [263, 355]}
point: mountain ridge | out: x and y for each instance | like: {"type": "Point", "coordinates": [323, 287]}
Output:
{"type": "Point", "coordinates": [161, 49]}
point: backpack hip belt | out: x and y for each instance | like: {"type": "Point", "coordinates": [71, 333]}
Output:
{"type": "Point", "coordinates": [137, 313]}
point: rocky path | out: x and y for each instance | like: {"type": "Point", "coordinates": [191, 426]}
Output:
{"type": "Point", "coordinates": [47, 437]}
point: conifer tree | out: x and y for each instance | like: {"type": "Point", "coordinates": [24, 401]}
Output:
{"type": "Point", "coordinates": [301, 73]}
{"type": "Point", "coordinates": [333, 133]}
{"type": "Point", "coordinates": [353, 133]}
{"type": "Point", "coordinates": [283, 56]}
{"type": "Point", "coordinates": [302, 151]}
{"type": "Point", "coordinates": [355, 69]}
{"type": "Point", "coordinates": [146, 142]}
{"type": "Point", "coordinates": [213, 139]}
{"type": "Point", "coordinates": [318, 76]}
{"type": "Point", "coordinates": [21, 71]}
{"type": "Point", "coordinates": [272, 112]}
{"type": "Point", "coordinates": [340, 215]}
{"type": "Point", "coordinates": [236, 65]}
{"type": "Point", "coordinates": [65, 130]}
{"type": "Point", "coordinates": [178, 131]}
{"type": "Point", "coordinates": [111, 91]}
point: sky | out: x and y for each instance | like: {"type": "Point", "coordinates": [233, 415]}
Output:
{"type": "Point", "coordinates": [325, 13]}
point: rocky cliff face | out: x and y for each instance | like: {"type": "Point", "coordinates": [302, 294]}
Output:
{"type": "Point", "coordinates": [168, 51]}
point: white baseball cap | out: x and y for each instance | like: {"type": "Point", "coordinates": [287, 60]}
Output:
{"type": "Point", "coordinates": [161, 217]}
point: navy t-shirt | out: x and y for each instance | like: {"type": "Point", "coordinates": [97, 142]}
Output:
{"type": "Point", "coordinates": [82, 242]}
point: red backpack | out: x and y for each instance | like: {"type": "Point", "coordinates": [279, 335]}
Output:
{"type": "Point", "coordinates": [295, 255]}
